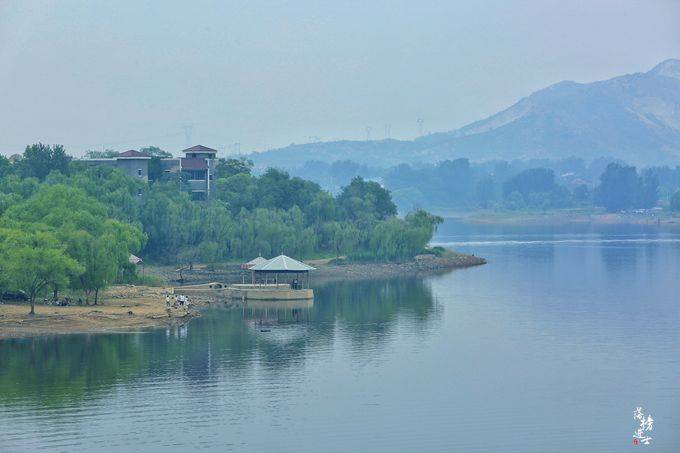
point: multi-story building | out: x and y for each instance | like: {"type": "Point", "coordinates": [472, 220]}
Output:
{"type": "Point", "coordinates": [132, 162]}
{"type": "Point", "coordinates": [196, 169]}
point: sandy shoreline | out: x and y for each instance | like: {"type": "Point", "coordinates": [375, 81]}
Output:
{"type": "Point", "coordinates": [428, 265]}
{"type": "Point", "coordinates": [128, 308]}
{"type": "Point", "coordinates": [124, 308]}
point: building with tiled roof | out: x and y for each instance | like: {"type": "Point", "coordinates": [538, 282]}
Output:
{"type": "Point", "coordinates": [133, 154]}
{"type": "Point", "coordinates": [196, 168]}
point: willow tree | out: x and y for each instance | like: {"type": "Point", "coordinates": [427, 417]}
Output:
{"type": "Point", "coordinates": [100, 266]}
{"type": "Point", "coordinates": [34, 262]}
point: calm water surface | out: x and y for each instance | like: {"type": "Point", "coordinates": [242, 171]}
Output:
{"type": "Point", "coordinates": [549, 347]}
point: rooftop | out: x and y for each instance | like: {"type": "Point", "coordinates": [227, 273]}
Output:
{"type": "Point", "coordinates": [282, 263]}
{"type": "Point", "coordinates": [200, 149]}
{"type": "Point", "coordinates": [254, 262]}
{"type": "Point", "coordinates": [135, 259]}
{"type": "Point", "coordinates": [133, 154]}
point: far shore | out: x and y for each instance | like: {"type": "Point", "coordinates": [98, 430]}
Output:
{"type": "Point", "coordinates": [562, 217]}
{"type": "Point", "coordinates": [127, 308]}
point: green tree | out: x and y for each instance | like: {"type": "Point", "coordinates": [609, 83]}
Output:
{"type": "Point", "coordinates": [649, 190]}
{"type": "Point", "coordinates": [581, 194]}
{"type": "Point", "coordinates": [110, 186]}
{"type": "Point", "coordinates": [39, 160]}
{"type": "Point", "coordinates": [102, 258]}
{"type": "Point", "coordinates": [6, 167]}
{"type": "Point", "coordinates": [36, 261]}
{"type": "Point", "coordinates": [106, 154]}
{"type": "Point", "coordinates": [363, 198]}
{"type": "Point", "coordinates": [238, 191]}
{"type": "Point", "coordinates": [155, 151]}
{"type": "Point", "coordinates": [425, 221]}
{"type": "Point", "coordinates": [102, 246]}
{"type": "Point", "coordinates": [226, 168]}
{"type": "Point", "coordinates": [620, 188]}
{"type": "Point", "coordinates": [537, 189]}
{"type": "Point", "coordinates": [342, 237]}
{"type": "Point", "coordinates": [155, 169]}
{"type": "Point", "coordinates": [675, 202]}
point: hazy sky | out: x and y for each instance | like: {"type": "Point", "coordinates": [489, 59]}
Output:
{"type": "Point", "coordinates": [125, 74]}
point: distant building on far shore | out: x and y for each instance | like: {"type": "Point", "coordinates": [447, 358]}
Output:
{"type": "Point", "coordinates": [196, 168]}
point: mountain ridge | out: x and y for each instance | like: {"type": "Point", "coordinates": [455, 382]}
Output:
{"type": "Point", "coordinates": [633, 117]}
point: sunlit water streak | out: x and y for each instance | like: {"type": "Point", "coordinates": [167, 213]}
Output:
{"type": "Point", "coordinates": [499, 242]}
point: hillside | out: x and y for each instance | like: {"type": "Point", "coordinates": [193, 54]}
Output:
{"type": "Point", "coordinates": [634, 117]}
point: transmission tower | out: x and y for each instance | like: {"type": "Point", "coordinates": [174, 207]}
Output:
{"type": "Point", "coordinates": [388, 130]}
{"type": "Point", "coordinates": [188, 129]}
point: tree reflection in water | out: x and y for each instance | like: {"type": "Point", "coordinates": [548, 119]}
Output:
{"type": "Point", "coordinates": [222, 344]}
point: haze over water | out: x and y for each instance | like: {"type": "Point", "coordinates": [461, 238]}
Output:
{"type": "Point", "coordinates": [548, 347]}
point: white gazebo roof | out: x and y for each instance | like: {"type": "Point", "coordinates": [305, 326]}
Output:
{"type": "Point", "coordinates": [135, 259]}
{"type": "Point", "coordinates": [254, 262]}
{"type": "Point", "coordinates": [282, 263]}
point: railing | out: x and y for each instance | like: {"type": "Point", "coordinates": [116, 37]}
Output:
{"type": "Point", "coordinates": [197, 184]}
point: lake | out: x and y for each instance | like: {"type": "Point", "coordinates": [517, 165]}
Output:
{"type": "Point", "coordinates": [549, 347]}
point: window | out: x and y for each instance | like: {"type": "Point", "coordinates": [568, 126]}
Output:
{"type": "Point", "coordinates": [197, 175]}
{"type": "Point", "coordinates": [139, 172]}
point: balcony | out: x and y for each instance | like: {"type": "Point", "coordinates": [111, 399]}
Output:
{"type": "Point", "coordinates": [197, 184]}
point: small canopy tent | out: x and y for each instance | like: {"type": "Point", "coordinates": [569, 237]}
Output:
{"type": "Point", "coordinates": [137, 261]}
{"type": "Point", "coordinates": [282, 264]}
{"type": "Point", "coordinates": [254, 262]}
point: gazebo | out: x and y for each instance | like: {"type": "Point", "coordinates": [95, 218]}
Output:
{"type": "Point", "coordinates": [283, 264]}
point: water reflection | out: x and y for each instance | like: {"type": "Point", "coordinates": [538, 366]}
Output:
{"type": "Point", "coordinates": [546, 348]}
{"type": "Point", "coordinates": [55, 371]}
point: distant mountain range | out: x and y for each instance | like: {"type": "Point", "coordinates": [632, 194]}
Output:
{"type": "Point", "coordinates": [634, 117]}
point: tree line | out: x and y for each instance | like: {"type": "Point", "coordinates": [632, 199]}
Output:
{"type": "Point", "coordinates": [64, 224]}
{"type": "Point", "coordinates": [460, 184]}
{"type": "Point", "coordinates": [536, 184]}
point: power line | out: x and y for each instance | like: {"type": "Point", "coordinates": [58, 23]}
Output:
{"type": "Point", "coordinates": [92, 145]}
